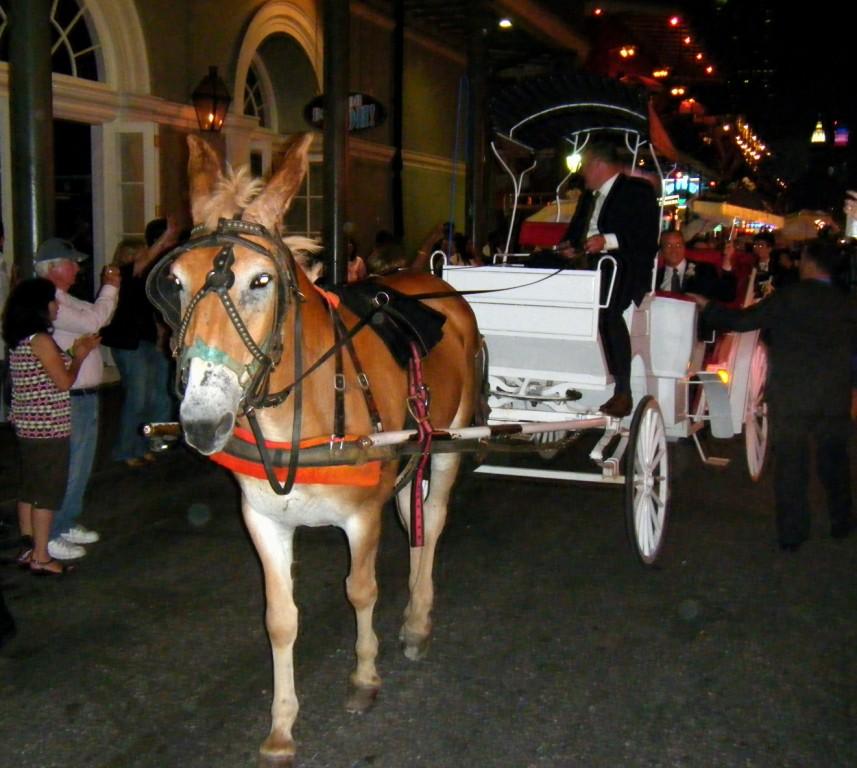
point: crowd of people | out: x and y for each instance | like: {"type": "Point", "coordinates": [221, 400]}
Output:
{"type": "Point", "coordinates": [54, 342]}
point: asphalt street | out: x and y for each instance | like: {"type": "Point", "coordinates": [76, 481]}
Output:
{"type": "Point", "coordinates": [553, 646]}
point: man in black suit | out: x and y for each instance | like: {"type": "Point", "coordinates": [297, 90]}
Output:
{"type": "Point", "coordinates": [679, 275]}
{"type": "Point", "coordinates": [619, 215]}
{"type": "Point", "coordinates": [811, 354]}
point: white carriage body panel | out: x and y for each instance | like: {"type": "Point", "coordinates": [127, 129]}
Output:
{"type": "Point", "coordinates": [542, 324]}
{"type": "Point", "coordinates": [673, 335]}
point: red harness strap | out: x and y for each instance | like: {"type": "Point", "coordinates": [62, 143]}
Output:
{"type": "Point", "coordinates": [418, 405]}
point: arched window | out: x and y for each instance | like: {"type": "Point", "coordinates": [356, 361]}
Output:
{"type": "Point", "coordinates": [254, 97]}
{"type": "Point", "coordinates": [74, 48]}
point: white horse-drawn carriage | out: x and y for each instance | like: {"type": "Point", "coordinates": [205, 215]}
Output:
{"type": "Point", "coordinates": [546, 363]}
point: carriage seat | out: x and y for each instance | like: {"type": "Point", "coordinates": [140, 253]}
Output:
{"type": "Point", "coordinates": [541, 234]}
{"type": "Point", "coordinates": [742, 266]}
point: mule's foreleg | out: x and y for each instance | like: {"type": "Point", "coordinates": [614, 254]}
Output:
{"type": "Point", "coordinates": [274, 545]}
{"type": "Point", "coordinates": [416, 629]}
{"type": "Point", "coordinates": [362, 588]}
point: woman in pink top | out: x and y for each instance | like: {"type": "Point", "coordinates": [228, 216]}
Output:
{"type": "Point", "coordinates": [41, 377]}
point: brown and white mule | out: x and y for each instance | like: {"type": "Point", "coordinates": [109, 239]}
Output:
{"type": "Point", "coordinates": [214, 404]}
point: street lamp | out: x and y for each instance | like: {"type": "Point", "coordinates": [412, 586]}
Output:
{"type": "Point", "coordinates": [211, 100]}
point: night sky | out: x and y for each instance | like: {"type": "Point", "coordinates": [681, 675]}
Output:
{"type": "Point", "coordinates": [810, 47]}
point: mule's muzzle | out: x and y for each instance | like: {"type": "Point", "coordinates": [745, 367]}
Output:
{"type": "Point", "coordinates": [208, 435]}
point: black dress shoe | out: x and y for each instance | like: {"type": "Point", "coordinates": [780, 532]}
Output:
{"type": "Point", "coordinates": [618, 406]}
{"type": "Point", "coordinates": [790, 546]}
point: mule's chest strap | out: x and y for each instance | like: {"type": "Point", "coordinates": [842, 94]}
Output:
{"type": "Point", "coordinates": [238, 457]}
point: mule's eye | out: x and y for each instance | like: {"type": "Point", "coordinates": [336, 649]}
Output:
{"type": "Point", "coordinates": [260, 281]}
{"type": "Point", "coordinates": [174, 282]}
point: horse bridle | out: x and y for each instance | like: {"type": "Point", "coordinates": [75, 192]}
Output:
{"type": "Point", "coordinates": [253, 377]}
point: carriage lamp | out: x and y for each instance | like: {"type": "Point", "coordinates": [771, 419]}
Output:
{"type": "Point", "coordinates": [211, 100]}
{"type": "Point", "coordinates": [722, 373]}
{"type": "Point", "coordinates": [574, 161]}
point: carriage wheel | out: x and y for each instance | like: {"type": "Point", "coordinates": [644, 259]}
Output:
{"type": "Point", "coordinates": [756, 414]}
{"type": "Point", "coordinates": [647, 481]}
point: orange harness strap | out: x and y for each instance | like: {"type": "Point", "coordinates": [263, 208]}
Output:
{"type": "Point", "coordinates": [365, 475]}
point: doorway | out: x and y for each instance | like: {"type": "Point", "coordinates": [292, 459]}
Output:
{"type": "Point", "coordinates": [73, 193]}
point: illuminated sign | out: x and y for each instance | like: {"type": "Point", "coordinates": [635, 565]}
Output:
{"type": "Point", "coordinates": [364, 112]}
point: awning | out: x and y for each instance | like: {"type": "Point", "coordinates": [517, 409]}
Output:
{"type": "Point", "coordinates": [726, 214]}
{"type": "Point", "coordinates": [804, 225]}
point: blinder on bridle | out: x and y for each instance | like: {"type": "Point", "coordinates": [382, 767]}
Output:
{"type": "Point", "coordinates": [163, 291]}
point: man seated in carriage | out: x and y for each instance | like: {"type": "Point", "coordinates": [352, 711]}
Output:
{"type": "Point", "coordinates": [618, 215]}
{"type": "Point", "coordinates": [677, 274]}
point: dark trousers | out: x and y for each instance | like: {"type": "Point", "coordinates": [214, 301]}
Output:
{"type": "Point", "coordinates": [615, 339]}
{"type": "Point", "coordinates": [791, 473]}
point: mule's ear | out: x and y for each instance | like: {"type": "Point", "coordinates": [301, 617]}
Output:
{"type": "Point", "coordinates": [269, 207]}
{"type": "Point", "coordinates": [203, 170]}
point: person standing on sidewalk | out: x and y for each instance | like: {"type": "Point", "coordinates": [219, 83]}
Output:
{"type": "Point", "coordinates": [133, 336]}
{"type": "Point", "coordinates": [58, 261]}
{"type": "Point", "coordinates": [41, 412]}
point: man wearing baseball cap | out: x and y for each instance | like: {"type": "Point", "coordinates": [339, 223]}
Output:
{"type": "Point", "coordinates": [58, 261]}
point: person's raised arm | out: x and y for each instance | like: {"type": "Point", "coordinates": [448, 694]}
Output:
{"type": "Point", "coordinates": [78, 317]}
{"type": "Point", "coordinates": [423, 257]}
{"type": "Point", "coordinates": [166, 242]}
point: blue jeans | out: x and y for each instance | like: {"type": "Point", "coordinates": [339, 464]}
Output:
{"type": "Point", "coordinates": [84, 441]}
{"type": "Point", "coordinates": [145, 380]}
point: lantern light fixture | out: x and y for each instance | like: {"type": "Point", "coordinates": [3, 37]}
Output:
{"type": "Point", "coordinates": [211, 99]}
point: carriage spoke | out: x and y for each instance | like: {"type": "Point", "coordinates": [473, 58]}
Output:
{"type": "Point", "coordinates": [640, 524]}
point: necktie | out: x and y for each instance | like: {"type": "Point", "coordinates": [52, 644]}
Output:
{"type": "Point", "coordinates": [675, 282]}
{"type": "Point", "coordinates": [586, 216]}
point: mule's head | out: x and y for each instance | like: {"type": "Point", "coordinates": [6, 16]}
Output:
{"type": "Point", "coordinates": [233, 290]}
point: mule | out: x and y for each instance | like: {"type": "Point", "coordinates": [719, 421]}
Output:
{"type": "Point", "coordinates": [219, 366]}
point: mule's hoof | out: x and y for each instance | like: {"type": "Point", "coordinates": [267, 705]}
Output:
{"type": "Point", "coordinates": [276, 761]}
{"type": "Point", "coordinates": [277, 753]}
{"type": "Point", "coordinates": [360, 698]}
{"type": "Point", "coordinates": [415, 648]}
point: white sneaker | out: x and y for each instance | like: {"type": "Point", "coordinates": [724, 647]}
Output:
{"type": "Point", "coordinates": [60, 549]}
{"type": "Point", "coordinates": [79, 534]}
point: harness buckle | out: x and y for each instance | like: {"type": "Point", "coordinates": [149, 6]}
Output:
{"type": "Point", "coordinates": [336, 442]}
{"type": "Point", "coordinates": [363, 380]}
{"type": "Point", "coordinates": [339, 382]}
{"type": "Point", "coordinates": [417, 408]}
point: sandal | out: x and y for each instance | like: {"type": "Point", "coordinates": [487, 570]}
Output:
{"type": "Point", "coordinates": [38, 568]}
{"type": "Point", "coordinates": [25, 554]}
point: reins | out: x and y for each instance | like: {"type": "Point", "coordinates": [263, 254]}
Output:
{"type": "Point", "coordinates": [255, 376]}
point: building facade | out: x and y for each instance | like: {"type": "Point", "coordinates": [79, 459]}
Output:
{"type": "Point", "coordinates": [123, 72]}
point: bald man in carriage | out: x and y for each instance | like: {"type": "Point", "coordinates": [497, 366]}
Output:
{"type": "Point", "coordinates": [617, 215]}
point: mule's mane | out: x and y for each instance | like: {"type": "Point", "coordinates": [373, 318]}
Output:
{"type": "Point", "coordinates": [234, 191]}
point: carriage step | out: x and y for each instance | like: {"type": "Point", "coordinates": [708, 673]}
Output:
{"type": "Point", "coordinates": [711, 461]}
